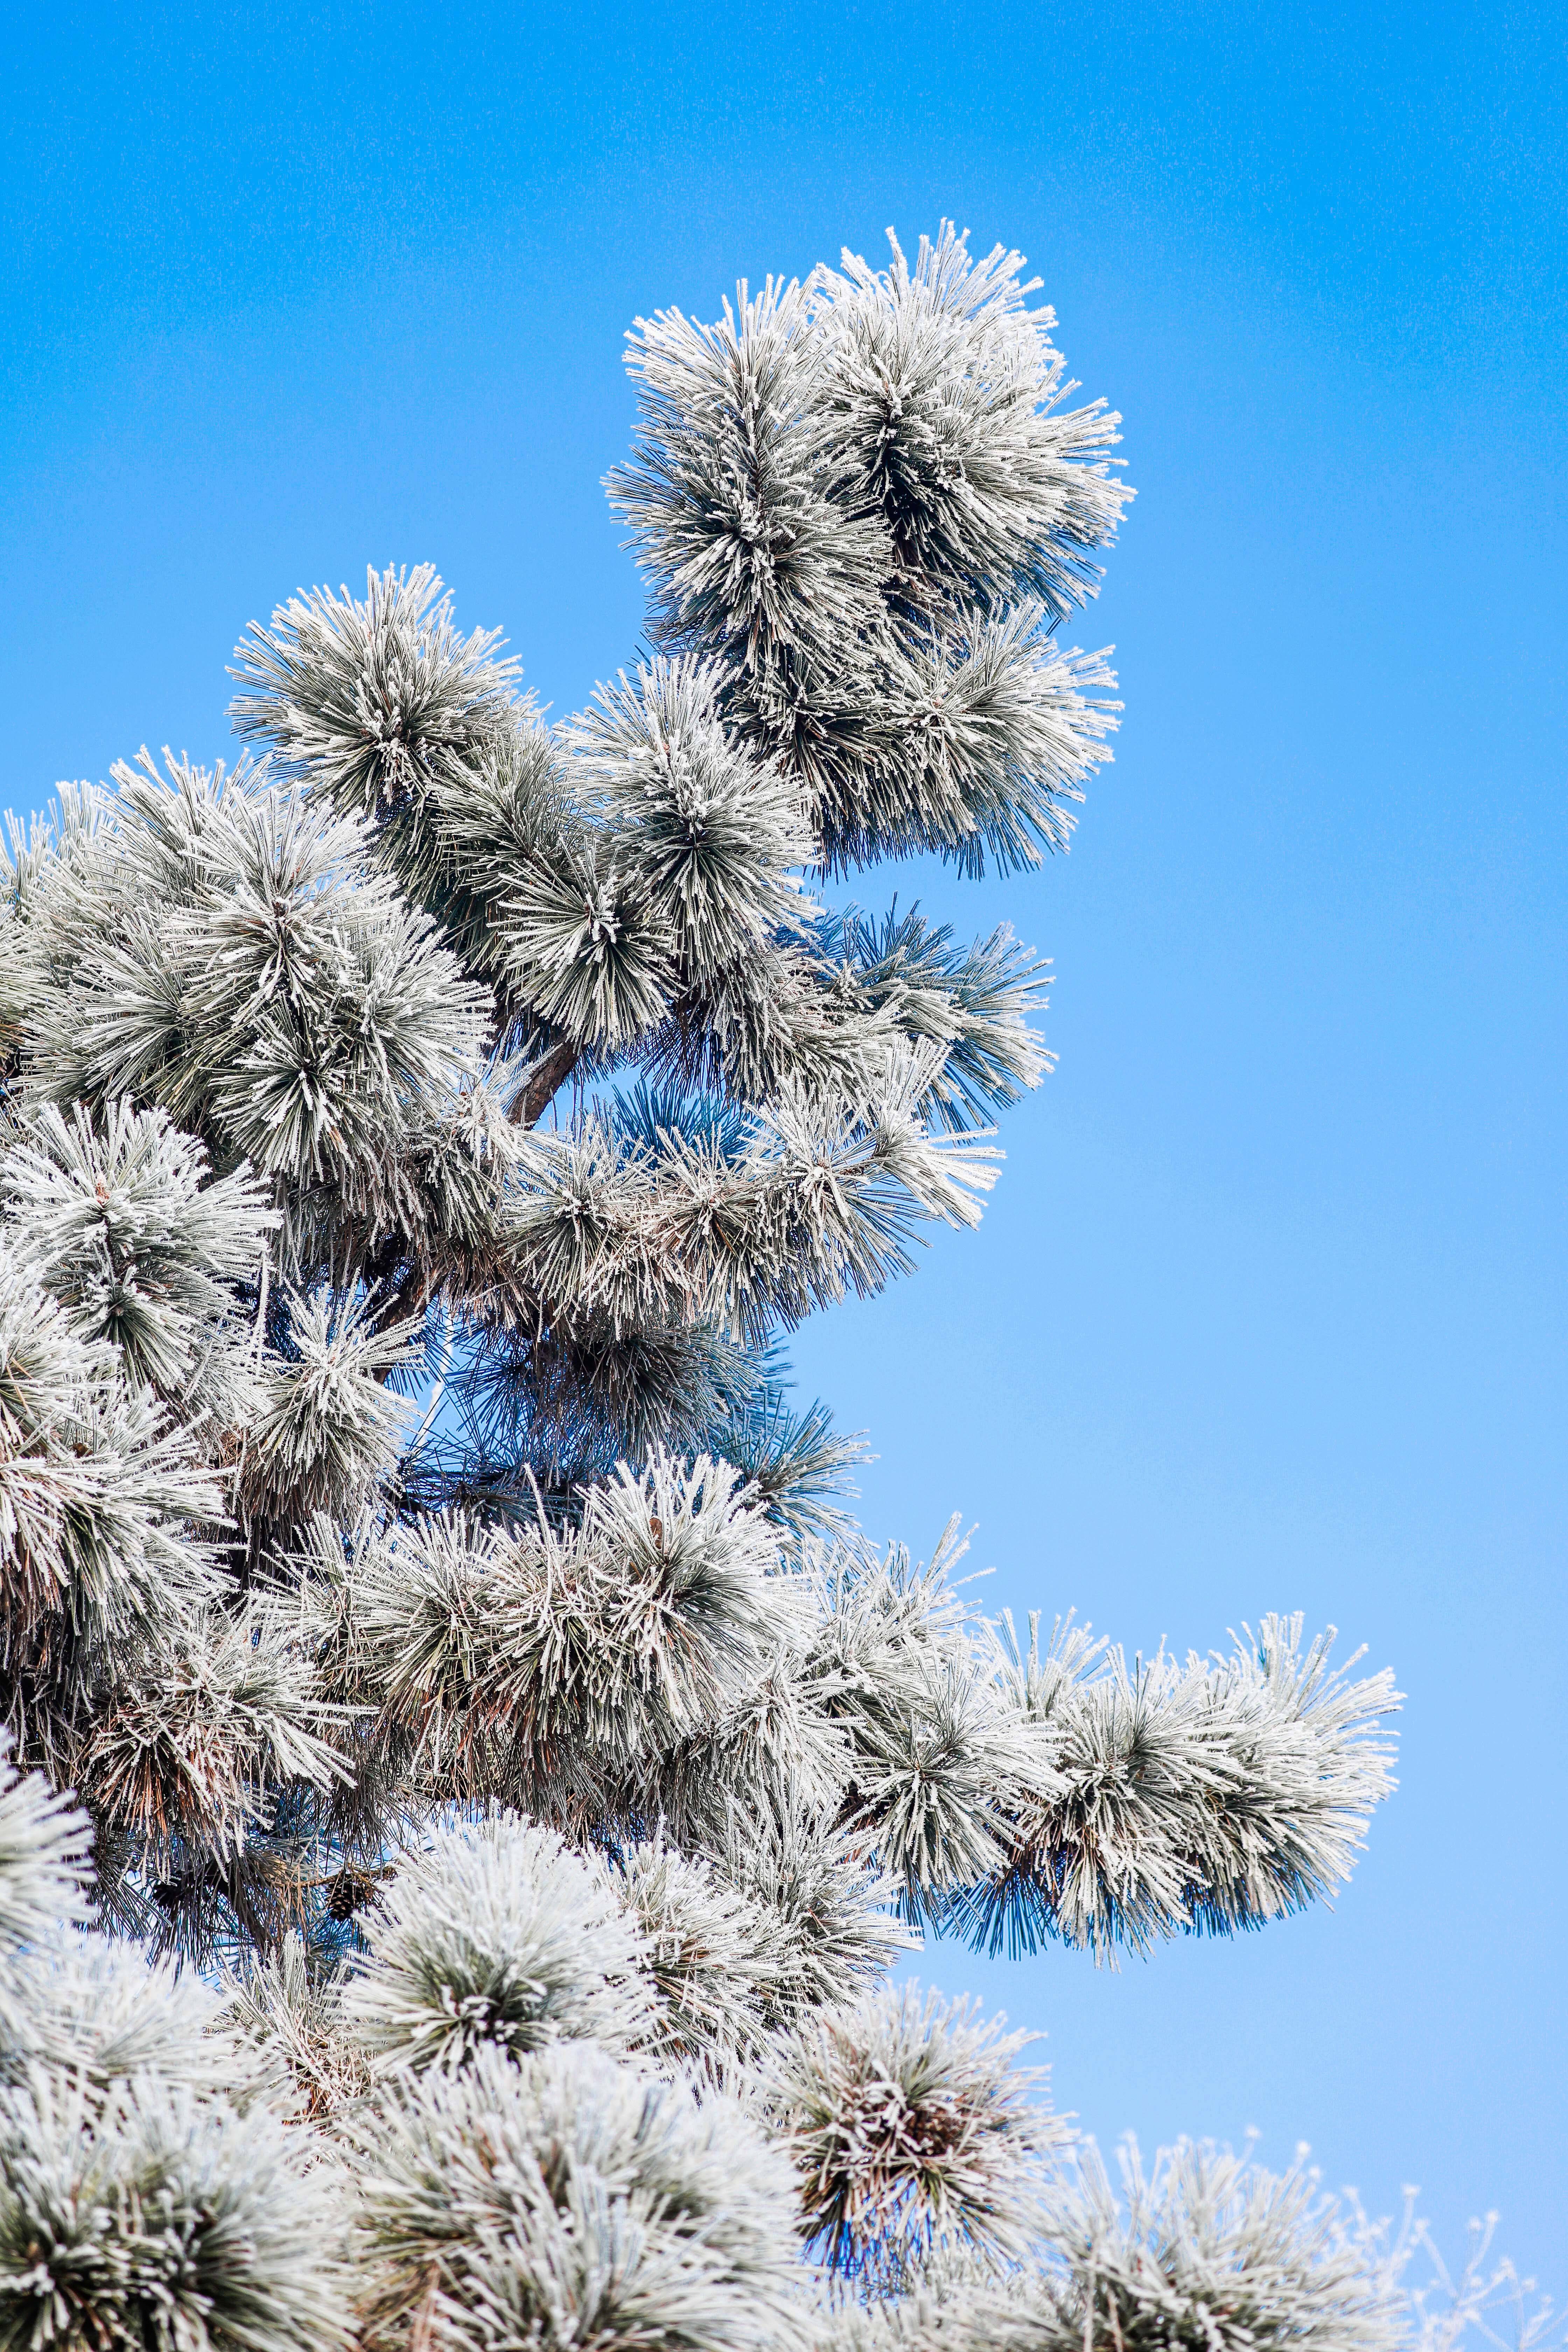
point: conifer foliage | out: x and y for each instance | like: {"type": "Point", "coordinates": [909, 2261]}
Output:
{"type": "Point", "coordinates": [440, 1665]}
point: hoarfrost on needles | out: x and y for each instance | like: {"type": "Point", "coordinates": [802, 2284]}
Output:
{"type": "Point", "coordinates": [465, 1778]}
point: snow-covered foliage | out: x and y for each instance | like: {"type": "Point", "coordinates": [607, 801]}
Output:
{"type": "Point", "coordinates": [149, 2216]}
{"type": "Point", "coordinates": [504, 1774]}
{"type": "Point", "coordinates": [501, 1935]}
{"type": "Point", "coordinates": [45, 1845]}
{"type": "Point", "coordinates": [915, 2133]}
{"type": "Point", "coordinates": [565, 2199]}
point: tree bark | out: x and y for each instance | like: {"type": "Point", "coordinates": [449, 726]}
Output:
{"type": "Point", "coordinates": [548, 1078]}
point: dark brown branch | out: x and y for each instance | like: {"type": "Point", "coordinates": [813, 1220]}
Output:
{"type": "Point", "coordinates": [552, 1075]}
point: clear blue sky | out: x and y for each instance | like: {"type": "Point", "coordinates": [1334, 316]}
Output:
{"type": "Point", "coordinates": [1269, 1310]}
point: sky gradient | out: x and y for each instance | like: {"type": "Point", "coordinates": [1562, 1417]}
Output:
{"type": "Point", "coordinates": [1269, 1310]}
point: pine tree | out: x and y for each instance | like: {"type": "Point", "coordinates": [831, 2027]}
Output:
{"type": "Point", "coordinates": [510, 1774]}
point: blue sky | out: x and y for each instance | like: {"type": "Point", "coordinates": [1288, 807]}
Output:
{"type": "Point", "coordinates": [1269, 1310]}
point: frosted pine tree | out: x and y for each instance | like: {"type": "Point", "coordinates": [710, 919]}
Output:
{"type": "Point", "coordinates": [509, 1777]}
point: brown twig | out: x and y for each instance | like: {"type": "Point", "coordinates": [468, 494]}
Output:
{"type": "Point", "coordinates": [550, 1075]}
